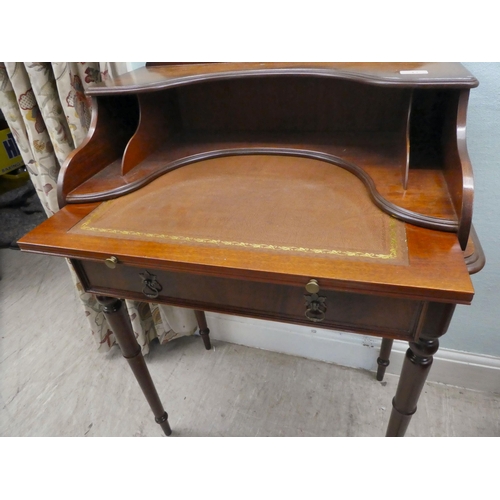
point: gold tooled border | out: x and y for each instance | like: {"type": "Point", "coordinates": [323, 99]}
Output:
{"type": "Point", "coordinates": [393, 251]}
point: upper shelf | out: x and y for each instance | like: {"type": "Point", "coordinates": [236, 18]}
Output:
{"type": "Point", "coordinates": [399, 127]}
{"type": "Point", "coordinates": [425, 75]}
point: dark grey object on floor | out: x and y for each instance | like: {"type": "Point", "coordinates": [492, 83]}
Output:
{"type": "Point", "coordinates": [20, 212]}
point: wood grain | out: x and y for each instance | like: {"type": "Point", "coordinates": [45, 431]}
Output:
{"type": "Point", "coordinates": [413, 162]}
{"type": "Point", "coordinates": [361, 313]}
{"type": "Point", "coordinates": [113, 123]}
{"type": "Point", "coordinates": [436, 269]}
{"type": "Point", "coordinates": [384, 74]}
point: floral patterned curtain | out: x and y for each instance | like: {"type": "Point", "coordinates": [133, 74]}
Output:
{"type": "Point", "coordinates": [49, 115]}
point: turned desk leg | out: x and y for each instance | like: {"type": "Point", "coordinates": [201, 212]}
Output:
{"type": "Point", "coordinates": [383, 359]}
{"type": "Point", "coordinates": [415, 369]}
{"type": "Point", "coordinates": [204, 331]}
{"type": "Point", "coordinates": [117, 316]}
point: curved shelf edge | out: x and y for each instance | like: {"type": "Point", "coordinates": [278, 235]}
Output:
{"type": "Point", "coordinates": [475, 258]}
{"type": "Point", "coordinates": [386, 206]}
{"type": "Point", "coordinates": [467, 201]}
{"type": "Point", "coordinates": [219, 73]}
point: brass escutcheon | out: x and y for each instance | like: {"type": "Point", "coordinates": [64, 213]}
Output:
{"type": "Point", "coordinates": [111, 262]}
{"type": "Point", "coordinates": [315, 308]}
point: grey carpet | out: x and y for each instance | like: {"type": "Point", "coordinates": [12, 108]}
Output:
{"type": "Point", "coordinates": [20, 212]}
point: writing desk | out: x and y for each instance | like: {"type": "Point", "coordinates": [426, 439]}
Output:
{"type": "Point", "coordinates": [338, 195]}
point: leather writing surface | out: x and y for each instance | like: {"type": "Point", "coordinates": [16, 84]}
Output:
{"type": "Point", "coordinates": [269, 203]}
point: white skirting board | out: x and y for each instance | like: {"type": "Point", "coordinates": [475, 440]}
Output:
{"type": "Point", "coordinates": [460, 369]}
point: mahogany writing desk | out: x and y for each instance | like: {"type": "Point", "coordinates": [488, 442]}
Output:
{"type": "Point", "coordinates": [332, 194]}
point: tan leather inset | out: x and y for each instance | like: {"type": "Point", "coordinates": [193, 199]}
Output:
{"type": "Point", "coordinates": [282, 204]}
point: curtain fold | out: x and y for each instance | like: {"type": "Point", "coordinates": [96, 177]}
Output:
{"type": "Point", "coordinates": [49, 115]}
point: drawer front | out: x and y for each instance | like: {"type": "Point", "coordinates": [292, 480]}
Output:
{"type": "Point", "coordinates": [362, 313]}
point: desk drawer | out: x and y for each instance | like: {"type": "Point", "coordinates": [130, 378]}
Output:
{"type": "Point", "coordinates": [370, 314]}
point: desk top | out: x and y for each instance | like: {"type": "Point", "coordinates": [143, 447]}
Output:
{"type": "Point", "coordinates": [277, 204]}
{"type": "Point", "coordinates": [267, 218]}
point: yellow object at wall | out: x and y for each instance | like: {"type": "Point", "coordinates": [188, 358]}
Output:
{"type": "Point", "coordinates": [10, 157]}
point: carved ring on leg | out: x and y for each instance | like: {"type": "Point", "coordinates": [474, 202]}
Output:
{"type": "Point", "coordinates": [204, 330]}
{"type": "Point", "coordinates": [416, 366]}
{"type": "Point", "coordinates": [383, 359]}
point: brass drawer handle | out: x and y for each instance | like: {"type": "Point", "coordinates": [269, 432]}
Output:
{"type": "Point", "coordinates": [151, 288]}
{"type": "Point", "coordinates": [315, 305]}
{"type": "Point", "coordinates": [315, 308]}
